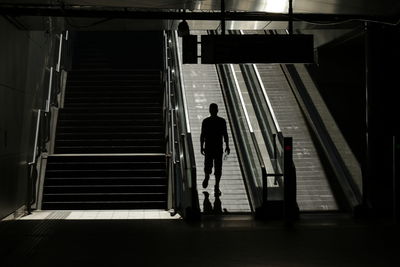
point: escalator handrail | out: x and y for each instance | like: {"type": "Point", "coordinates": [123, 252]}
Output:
{"type": "Point", "coordinates": [254, 192]}
{"type": "Point", "coordinates": [182, 84]}
{"type": "Point", "coordinates": [269, 105]}
{"type": "Point", "coordinates": [255, 143]}
{"type": "Point", "coordinates": [185, 152]}
{"type": "Point", "coordinates": [184, 109]}
{"type": "Point", "coordinates": [251, 73]}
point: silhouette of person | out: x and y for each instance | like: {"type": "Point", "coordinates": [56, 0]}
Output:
{"type": "Point", "coordinates": [213, 130]}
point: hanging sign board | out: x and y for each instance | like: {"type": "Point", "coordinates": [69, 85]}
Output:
{"type": "Point", "coordinates": [236, 49]}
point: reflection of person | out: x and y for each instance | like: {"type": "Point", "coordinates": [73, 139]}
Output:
{"type": "Point", "coordinates": [213, 130]}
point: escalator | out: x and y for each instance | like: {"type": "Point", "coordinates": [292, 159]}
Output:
{"type": "Point", "coordinates": [202, 87]}
{"type": "Point", "coordinates": [263, 110]}
{"type": "Point", "coordinates": [245, 185]}
{"type": "Point", "coordinates": [327, 172]}
{"type": "Point", "coordinates": [313, 190]}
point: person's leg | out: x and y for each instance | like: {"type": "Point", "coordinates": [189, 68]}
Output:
{"type": "Point", "coordinates": [217, 171]}
{"type": "Point", "coordinates": [208, 164]}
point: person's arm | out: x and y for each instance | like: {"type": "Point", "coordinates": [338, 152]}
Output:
{"type": "Point", "coordinates": [226, 139]}
{"type": "Point", "coordinates": [202, 139]}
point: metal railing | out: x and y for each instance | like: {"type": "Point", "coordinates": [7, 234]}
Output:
{"type": "Point", "coordinates": [43, 119]}
{"type": "Point", "coordinates": [181, 163]}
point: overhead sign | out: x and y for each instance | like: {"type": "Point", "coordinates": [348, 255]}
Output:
{"type": "Point", "coordinates": [216, 49]}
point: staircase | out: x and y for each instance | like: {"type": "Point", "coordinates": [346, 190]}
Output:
{"type": "Point", "coordinates": [109, 148]}
{"type": "Point", "coordinates": [111, 111]}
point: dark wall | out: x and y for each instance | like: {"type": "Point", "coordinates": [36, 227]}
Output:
{"type": "Point", "coordinates": [125, 49]}
{"type": "Point", "coordinates": [340, 75]}
{"type": "Point", "coordinates": [383, 57]}
{"type": "Point", "coordinates": [349, 70]}
{"type": "Point", "coordinates": [23, 57]}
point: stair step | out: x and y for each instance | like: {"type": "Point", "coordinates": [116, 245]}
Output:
{"type": "Point", "coordinates": [108, 136]}
{"type": "Point", "coordinates": [107, 104]}
{"type": "Point", "coordinates": [112, 93]}
{"type": "Point", "coordinates": [115, 82]}
{"type": "Point", "coordinates": [65, 197]}
{"type": "Point", "coordinates": [73, 76]}
{"type": "Point", "coordinates": [108, 158]}
{"type": "Point", "coordinates": [103, 165]}
{"type": "Point", "coordinates": [106, 142]}
{"type": "Point", "coordinates": [105, 173]}
{"type": "Point", "coordinates": [110, 116]}
{"type": "Point", "coordinates": [108, 128]}
{"type": "Point", "coordinates": [107, 149]}
{"type": "Point", "coordinates": [119, 99]}
{"type": "Point", "coordinates": [106, 205]}
{"type": "Point", "coordinates": [116, 109]}
{"type": "Point", "coordinates": [67, 181]}
{"type": "Point", "coordinates": [103, 122]}
{"type": "Point", "coordinates": [105, 189]}
{"type": "Point", "coordinates": [111, 71]}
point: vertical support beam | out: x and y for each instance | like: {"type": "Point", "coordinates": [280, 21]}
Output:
{"type": "Point", "coordinates": [222, 17]}
{"type": "Point", "coordinates": [290, 187]}
{"type": "Point", "coordinates": [381, 50]}
{"type": "Point", "coordinates": [396, 179]}
{"type": "Point", "coordinates": [290, 17]}
{"type": "Point", "coordinates": [366, 164]}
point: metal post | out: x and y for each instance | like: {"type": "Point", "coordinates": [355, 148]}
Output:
{"type": "Point", "coordinates": [290, 16]}
{"type": "Point", "coordinates": [222, 17]}
{"type": "Point", "coordinates": [290, 204]}
{"type": "Point", "coordinates": [396, 182]}
{"type": "Point", "coordinates": [366, 167]}
{"type": "Point", "coordinates": [59, 53]}
{"type": "Point", "coordinates": [48, 101]}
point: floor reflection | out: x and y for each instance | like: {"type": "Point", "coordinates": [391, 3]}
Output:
{"type": "Point", "coordinates": [209, 209]}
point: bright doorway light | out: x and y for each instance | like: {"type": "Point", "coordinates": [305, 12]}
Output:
{"type": "Point", "coordinates": [277, 6]}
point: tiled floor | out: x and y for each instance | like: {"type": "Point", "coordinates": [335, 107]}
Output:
{"type": "Point", "coordinates": [100, 215]}
{"type": "Point", "coordinates": [311, 242]}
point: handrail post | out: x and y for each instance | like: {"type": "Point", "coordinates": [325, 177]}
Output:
{"type": "Point", "coordinates": [59, 53]}
{"type": "Point", "coordinates": [265, 187]}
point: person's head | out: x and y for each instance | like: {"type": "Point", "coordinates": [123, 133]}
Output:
{"type": "Point", "coordinates": [213, 109]}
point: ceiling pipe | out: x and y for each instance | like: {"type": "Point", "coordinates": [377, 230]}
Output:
{"type": "Point", "coordinates": [130, 13]}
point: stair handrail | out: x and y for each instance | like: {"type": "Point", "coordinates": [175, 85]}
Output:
{"type": "Point", "coordinates": [42, 128]}
{"type": "Point", "coordinates": [168, 127]}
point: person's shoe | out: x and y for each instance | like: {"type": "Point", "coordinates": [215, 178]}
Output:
{"type": "Point", "coordinates": [217, 192]}
{"type": "Point", "coordinates": [205, 183]}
